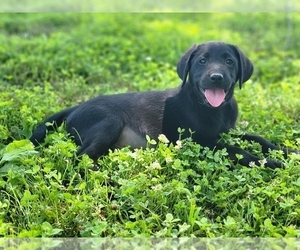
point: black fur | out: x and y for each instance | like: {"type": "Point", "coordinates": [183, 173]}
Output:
{"type": "Point", "coordinates": [113, 121]}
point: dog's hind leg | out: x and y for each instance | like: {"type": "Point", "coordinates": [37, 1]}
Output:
{"type": "Point", "coordinates": [101, 137]}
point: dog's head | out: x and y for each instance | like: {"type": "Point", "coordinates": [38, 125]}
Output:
{"type": "Point", "coordinates": [213, 68]}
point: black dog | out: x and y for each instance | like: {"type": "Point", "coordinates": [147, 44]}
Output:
{"type": "Point", "coordinates": [204, 103]}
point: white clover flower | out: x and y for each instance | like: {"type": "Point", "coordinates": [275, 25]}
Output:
{"type": "Point", "coordinates": [178, 144]}
{"type": "Point", "coordinates": [162, 138]}
{"type": "Point", "coordinates": [251, 164]}
{"type": "Point", "coordinates": [169, 159]}
{"type": "Point", "coordinates": [157, 187]}
{"type": "Point", "coordinates": [244, 124]}
{"type": "Point", "coordinates": [132, 154]}
{"type": "Point", "coordinates": [154, 165]}
{"type": "Point", "coordinates": [262, 162]}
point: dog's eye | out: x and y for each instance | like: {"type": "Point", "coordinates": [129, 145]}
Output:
{"type": "Point", "coordinates": [229, 61]}
{"type": "Point", "coordinates": [202, 61]}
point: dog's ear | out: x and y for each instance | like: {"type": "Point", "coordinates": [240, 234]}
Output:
{"type": "Point", "coordinates": [245, 66]}
{"type": "Point", "coordinates": [183, 66]}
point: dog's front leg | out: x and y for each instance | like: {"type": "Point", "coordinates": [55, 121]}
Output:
{"type": "Point", "coordinates": [247, 158]}
{"type": "Point", "coordinates": [266, 145]}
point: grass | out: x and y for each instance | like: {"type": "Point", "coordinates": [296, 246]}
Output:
{"type": "Point", "coordinates": [51, 61]}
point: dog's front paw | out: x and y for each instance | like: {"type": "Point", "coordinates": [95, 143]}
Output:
{"type": "Point", "coordinates": [288, 151]}
{"type": "Point", "coordinates": [273, 164]}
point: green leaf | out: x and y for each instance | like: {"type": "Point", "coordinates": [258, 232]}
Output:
{"type": "Point", "coordinates": [99, 229]}
{"type": "Point", "coordinates": [230, 223]}
{"type": "Point", "coordinates": [150, 141]}
{"type": "Point", "coordinates": [183, 227]}
{"type": "Point", "coordinates": [48, 230]}
{"type": "Point", "coordinates": [28, 197]}
{"type": "Point", "coordinates": [4, 133]}
{"type": "Point", "coordinates": [16, 150]}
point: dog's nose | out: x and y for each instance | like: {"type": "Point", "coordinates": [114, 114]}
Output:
{"type": "Point", "coordinates": [216, 77]}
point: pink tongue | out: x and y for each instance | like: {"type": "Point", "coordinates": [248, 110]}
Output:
{"type": "Point", "coordinates": [215, 97]}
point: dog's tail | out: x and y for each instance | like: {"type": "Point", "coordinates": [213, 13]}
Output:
{"type": "Point", "coordinates": [39, 133]}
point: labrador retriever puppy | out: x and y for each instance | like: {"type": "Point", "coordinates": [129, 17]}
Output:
{"type": "Point", "coordinates": [204, 103]}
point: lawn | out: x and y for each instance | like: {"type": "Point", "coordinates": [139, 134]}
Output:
{"type": "Point", "coordinates": [52, 61]}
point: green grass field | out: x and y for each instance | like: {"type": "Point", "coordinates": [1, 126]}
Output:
{"type": "Point", "coordinates": [52, 61]}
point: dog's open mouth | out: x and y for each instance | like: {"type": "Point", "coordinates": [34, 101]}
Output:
{"type": "Point", "coordinates": [215, 96]}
